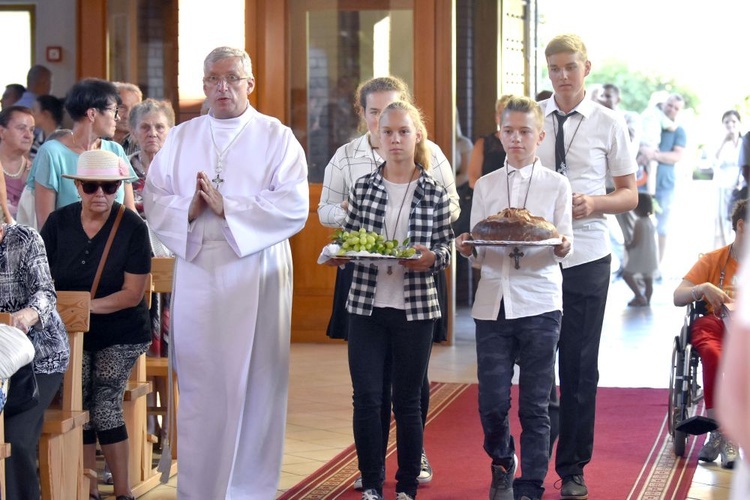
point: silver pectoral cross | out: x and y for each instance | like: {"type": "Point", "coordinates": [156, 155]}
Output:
{"type": "Point", "coordinates": [516, 254]}
{"type": "Point", "coordinates": [219, 169]}
{"type": "Point", "coordinates": [217, 181]}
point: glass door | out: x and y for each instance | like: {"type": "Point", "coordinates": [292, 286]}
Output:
{"type": "Point", "coordinates": [334, 47]}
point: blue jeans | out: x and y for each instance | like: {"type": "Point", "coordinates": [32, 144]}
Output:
{"type": "Point", "coordinates": [372, 339]}
{"type": "Point", "coordinates": [533, 340]}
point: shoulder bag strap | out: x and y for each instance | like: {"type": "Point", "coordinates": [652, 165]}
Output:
{"type": "Point", "coordinates": [103, 260]}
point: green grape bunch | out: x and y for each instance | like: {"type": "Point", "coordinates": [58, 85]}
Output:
{"type": "Point", "coordinates": [372, 242]}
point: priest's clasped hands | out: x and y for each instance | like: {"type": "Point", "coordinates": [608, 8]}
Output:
{"type": "Point", "coordinates": [206, 196]}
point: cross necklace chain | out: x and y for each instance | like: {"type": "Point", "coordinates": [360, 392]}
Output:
{"type": "Point", "coordinates": [564, 154]}
{"type": "Point", "coordinates": [219, 167]}
{"type": "Point", "coordinates": [398, 217]}
{"type": "Point", "coordinates": [517, 254]}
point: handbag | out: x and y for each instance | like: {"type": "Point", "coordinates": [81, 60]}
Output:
{"type": "Point", "coordinates": [16, 350]}
{"type": "Point", "coordinates": [23, 391]}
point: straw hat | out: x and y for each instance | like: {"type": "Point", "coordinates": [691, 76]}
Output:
{"type": "Point", "coordinates": [100, 165]}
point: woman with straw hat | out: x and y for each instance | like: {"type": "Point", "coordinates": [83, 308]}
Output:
{"type": "Point", "coordinates": [77, 238]}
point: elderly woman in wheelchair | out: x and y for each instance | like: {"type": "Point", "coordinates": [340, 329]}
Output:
{"type": "Point", "coordinates": [712, 281]}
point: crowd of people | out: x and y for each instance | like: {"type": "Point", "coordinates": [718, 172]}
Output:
{"type": "Point", "coordinates": [125, 172]}
{"type": "Point", "coordinates": [67, 189]}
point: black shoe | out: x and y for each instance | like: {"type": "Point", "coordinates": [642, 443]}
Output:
{"type": "Point", "coordinates": [502, 481]}
{"type": "Point", "coordinates": [574, 488]}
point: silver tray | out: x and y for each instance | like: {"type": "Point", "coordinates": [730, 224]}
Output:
{"type": "Point", "coordinates": [499, 243]}
{"type": "Point", "coordinates": [374, 256]}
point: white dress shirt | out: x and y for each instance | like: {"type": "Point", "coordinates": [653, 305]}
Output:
{"type": "Point", "coordinates": [596, 143]}
{"type": "Point", "coordinates": [536, 286]}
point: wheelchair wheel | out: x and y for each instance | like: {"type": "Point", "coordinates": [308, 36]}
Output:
{"type": "Point", "coordinates": [678, 398]}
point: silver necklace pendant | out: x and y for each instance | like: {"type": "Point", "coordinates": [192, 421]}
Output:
{"type": "Point", "coordinates": [389, 270]}
{"type": "Point", "coordinates": [218, 181]}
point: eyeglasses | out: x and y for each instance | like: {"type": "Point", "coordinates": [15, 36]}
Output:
{"type": "Point", "coordinates": [91, 187]}
{"type": "Point", "coordinates": [230, 80]}
{"type": "Point", "coordinates": [115, 110]}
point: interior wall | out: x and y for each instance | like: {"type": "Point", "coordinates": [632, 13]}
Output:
{"type": "Point", "coordinates": [54, 20]}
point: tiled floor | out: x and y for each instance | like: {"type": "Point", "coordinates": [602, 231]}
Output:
{"type": "Point", "coordinates": [635, 352]}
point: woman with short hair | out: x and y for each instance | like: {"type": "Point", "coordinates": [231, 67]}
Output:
{"type": "Point", "coordinates": [92, 104]}
{"type": "Point", "coordinates": [16, 137]}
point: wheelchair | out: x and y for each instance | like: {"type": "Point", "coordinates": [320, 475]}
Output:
{"type": "Point", "coordinates": [684, 390]}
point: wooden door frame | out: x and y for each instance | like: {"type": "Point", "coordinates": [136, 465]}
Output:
{"type": "Point", "coordinates": [268, 42]}
{"type": "Point", "coordinates": [91, 39]}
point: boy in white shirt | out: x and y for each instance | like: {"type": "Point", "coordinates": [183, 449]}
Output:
{"type": "Point", "coordinates": [518, 309]}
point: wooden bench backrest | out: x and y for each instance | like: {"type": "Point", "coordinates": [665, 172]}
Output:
{"type": "Point", "coordinates": [74, 309]}
{"type": "Point", "coordinates": [162, 270]}
{"type": "Point", "coordinates": [148, 289]}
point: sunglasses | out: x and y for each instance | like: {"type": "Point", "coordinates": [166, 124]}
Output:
{"type": "Point", "coordinates": [90, 187]}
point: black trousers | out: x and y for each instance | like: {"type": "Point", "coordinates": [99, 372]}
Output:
{"type": "Point", "coordinates": [338, 328]}
{"type": "Point", "coordinates": [372, 341]}
{"type": "Point", "coordinates": [585, 290]}
{"type": "Point", "coordinates": [22, 431]}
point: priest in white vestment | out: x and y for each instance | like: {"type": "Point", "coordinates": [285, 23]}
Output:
{"type": "Point", "coordinates": [225, 194]}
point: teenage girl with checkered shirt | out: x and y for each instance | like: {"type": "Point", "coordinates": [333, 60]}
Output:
{"type": "Point", "coordinates": [393, 304]}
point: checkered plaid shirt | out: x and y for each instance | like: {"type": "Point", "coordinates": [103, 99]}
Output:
{"type": "Point", "coordinates": [429, 225]}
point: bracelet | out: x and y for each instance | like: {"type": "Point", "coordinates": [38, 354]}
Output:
{"type": "Point", "coordinates": [696, 299]}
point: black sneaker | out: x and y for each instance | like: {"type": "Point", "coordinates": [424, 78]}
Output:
{"type": "Point", "coordinates": [371, 494]}
{"type": "Point", "coordinates": [574, 488]}
{"type": "Point", "coordinates": [502, 482]}
{"type": "Point", "coordinates": [425, 470]}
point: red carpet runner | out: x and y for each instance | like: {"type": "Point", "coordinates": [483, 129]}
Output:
{"type": "Point", "coordinates": [633, 456]}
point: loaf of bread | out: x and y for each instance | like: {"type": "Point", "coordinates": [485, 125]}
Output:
{"type": "Point", "coordinates": [514, 224]}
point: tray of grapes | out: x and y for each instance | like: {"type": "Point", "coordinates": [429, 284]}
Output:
{"type": "Point", "coordinates": [335, 251]}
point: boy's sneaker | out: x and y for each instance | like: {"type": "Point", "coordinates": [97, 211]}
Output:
{"type": "Point", "coordinates": [574, 488]}
{"type": "Point", "coordinates": [728, 453]}
{"type": "Point", "coordinates": [403, 496]}
{"type": "Point", "coordinates": [425, 471]}
{"type": "Point", "coordinates": [371, 494]}
{"type": "Point", "coordinates": [502, 481]}
{"type": "Point", "coordinates": [711, 449]}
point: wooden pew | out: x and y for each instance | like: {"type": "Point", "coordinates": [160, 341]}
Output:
{"type": "Point", "coordinates": [4, 447]}
{"type": "Point", "coordinates": [134, 407]}
{"type": "Point", "coordinates": [162, 270]}
{"type": "Point", "coordinates": [61, 444]}
{"type": "Point", "coordinates": [143, 475]}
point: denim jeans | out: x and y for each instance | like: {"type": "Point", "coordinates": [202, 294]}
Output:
{"type": "Point", "coordinates": [533, 340]}
{"type": "Point", "coordinates": [372, 339]}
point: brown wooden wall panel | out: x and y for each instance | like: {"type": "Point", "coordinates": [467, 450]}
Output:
{"type": "Point", "coordinates": [91, 54]}
{"type": "Point", "coordinates": [313, 283]}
